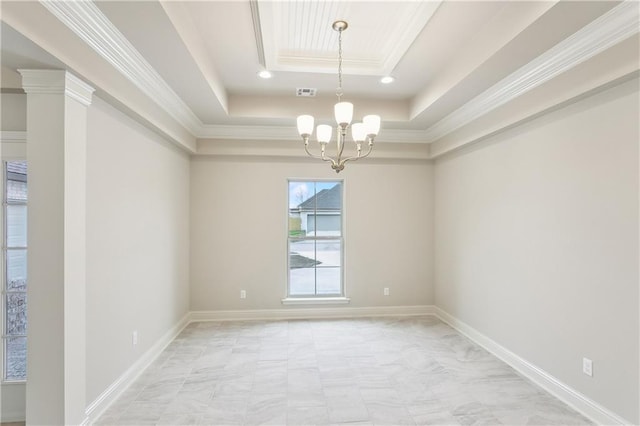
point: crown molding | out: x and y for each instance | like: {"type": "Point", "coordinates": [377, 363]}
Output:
{"type": "Point", "coordinates": [86, 20]}
{"type": "Point", "coordinates": [282, 133]}
{"type": "Point", "coordinates": [56, 82]}
{"type": "Point", "coordinates": [620, 23]}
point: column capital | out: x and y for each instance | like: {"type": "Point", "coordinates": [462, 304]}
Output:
{"type": "Point", "coordinates": [56, 82]}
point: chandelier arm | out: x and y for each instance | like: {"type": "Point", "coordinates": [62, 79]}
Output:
{"type": "Point", "coordinates": [358, 156]}
{"type": "Point", "coordinates": [368, 151]}
{"type": "Point", "coordinates": [329, 159]}
{"type": "Point", "coordinates": [306, 148]}
{"type": "Point", "coordinates": [324, 157]}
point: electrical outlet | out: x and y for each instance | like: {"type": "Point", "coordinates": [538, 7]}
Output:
{"type": "Point", "coordinates": [386, 291]}
{"type": "Point", "coordinates": [587, 367]}
{"type": "Point", "coordinates": [134, 338]}
{"type": "Point", "coordinates": [243, 294]}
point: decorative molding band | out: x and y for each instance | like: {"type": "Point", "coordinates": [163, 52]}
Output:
{"type": "Point", "coordinates": [620, 23]}
{"type": "Point", "coordinates": [257, 31]}
{"type": "Point", "coordinates": [86, 20]}
{"type": "Point", "coordinates": [56, 82]}
{"type": "Point", "coordinates": [568, 395]}
{"type": "Point", "coordinates": [310, 313]}
{"type": "Point", "coordinates": [230, 132]}
{"type": "Point", "coordinates": [78, 89]}
{"type": "Point", "coordinates": [106, 398]}
{"type": "Point", "coordinates": [13, 136]}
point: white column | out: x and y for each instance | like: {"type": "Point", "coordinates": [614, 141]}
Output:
{"type": "Point", "coordinates": [57, 105]}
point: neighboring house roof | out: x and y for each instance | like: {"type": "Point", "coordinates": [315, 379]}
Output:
{"type": "Point", "coordinates": [327, 199]}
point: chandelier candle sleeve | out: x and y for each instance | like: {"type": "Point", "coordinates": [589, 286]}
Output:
{"type": "Point", "coordinates": [366, 131]}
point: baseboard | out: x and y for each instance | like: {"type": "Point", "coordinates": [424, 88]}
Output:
{"type": "Point", "coordinates": [102, 402]}
{"type": "Point", "coordinates": [573, 398]}
{"type": "Point", "coordinates": [12, 416]}
{"type": "Point", "coordinates": [310, 313]}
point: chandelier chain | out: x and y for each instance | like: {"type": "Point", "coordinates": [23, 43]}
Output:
{"type": "Point", "coordinates": [339, 90]}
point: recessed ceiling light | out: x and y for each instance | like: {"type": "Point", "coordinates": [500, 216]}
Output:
{"type": "Point", "coordinates": [387, 79]}
{"type": "Point", "coordinates": [265, 74]}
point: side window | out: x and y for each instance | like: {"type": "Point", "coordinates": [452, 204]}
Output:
{"type": "Point", "coordinates": [315, 239]}
{"type": "Point", "coordinates": [14, 289]}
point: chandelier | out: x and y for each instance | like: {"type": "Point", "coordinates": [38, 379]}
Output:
{"type": "Point", "coordinates": [367, 130]}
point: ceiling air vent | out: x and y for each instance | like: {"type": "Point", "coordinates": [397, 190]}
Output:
{"type": "Point", "coordinates": [306, 92]}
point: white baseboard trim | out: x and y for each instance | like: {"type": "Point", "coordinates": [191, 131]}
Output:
{"type": "Point", "coordinates": [568, 395]}
{"type": "Point", "coordinates": [310, 313]}
{"type": "Point", "coordinates": [102, 402]}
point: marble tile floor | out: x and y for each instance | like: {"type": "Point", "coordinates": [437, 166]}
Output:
{"type": "Point", "coordinates": [370, 371]}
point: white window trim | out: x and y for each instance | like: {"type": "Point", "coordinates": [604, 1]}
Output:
{"type": "Point", "coordinates": [319, 299]}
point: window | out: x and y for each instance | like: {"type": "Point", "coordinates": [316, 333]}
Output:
{"type": "Point", "coordinates": [14, 289]}
{"type": "Point", "coordinates": [315, 239]}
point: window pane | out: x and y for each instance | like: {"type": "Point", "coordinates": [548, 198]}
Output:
{"type": "Point", "coordinates": [16, 226]}
{"type": "Point", "coordinates": [328, 253]}
{"type": "Point", "coordinates": [302, 281]}
{"type": "Point", "coordinates": [16, 313]}
{"type": "Point", "coordinates": [16, 270]}
{"type": "Point", "coordinates": [16, 358]}
{"type": "Point", "coordinates": [328, 281]}
{"type": "Point", "coordinates": [299, 192]}
{"type": "Point", "coordinates": [16, 190]}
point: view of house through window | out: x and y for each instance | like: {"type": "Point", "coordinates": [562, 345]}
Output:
{"type": "Point", "coordinates": [315, 238]}
{"type": "Point", "coordinates": [14, 336]}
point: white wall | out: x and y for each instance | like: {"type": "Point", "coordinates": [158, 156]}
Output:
{"type": "Point", "coordinates": [137, 242]}
{"type": "Point", "coordinates": [239, 211]}
{"type": "Point", "coordinates": [13, 117]}
{"type": "Point", "coordinates": [537, 243]}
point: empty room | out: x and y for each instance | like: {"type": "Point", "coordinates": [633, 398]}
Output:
{"type": "Point", "coordinates": [306, 212]}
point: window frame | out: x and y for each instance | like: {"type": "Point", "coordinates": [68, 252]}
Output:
{"type": "Point", "coordinates": [4, 291]}
{"type": "Point", "coordinates": [316, 298]}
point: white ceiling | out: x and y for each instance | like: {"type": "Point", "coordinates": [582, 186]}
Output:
{"type": "Point", "coordinates": [453, 61]}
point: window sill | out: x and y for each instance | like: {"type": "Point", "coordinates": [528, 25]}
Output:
{"type": "Point", "coordinates": [13, 382]}
{"type": "Point", "coordinates": [315, 300]}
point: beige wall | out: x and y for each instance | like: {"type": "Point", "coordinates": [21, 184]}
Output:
{"type": "Point", "coordinates": [13, 117]}
{"type": "Point", "coordinates": [13, 111]}
{"type": "Point", "coordinates": [137, 242]}
{"type": "Point", "coordinates": [239, 211]}
{"type": "Point", "coordinates": [537, 243]}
